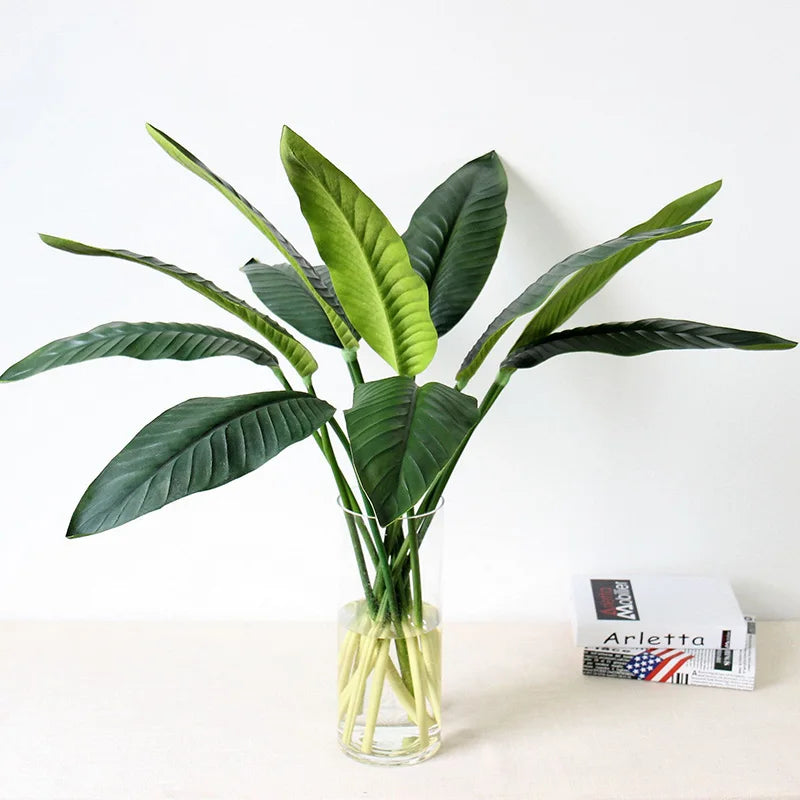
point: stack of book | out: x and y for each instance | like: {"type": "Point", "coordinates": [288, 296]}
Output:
{"type": "Point", "coordinates": [665, 629]}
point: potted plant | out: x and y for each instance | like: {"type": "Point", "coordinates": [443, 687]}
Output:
{"type": "Point", "coordinates": [399, 442]}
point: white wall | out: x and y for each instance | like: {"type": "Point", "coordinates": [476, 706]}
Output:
{"type": "Point", "coordinates": [602, 112]}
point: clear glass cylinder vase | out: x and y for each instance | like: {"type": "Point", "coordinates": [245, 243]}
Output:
{"type": "Point", "coordinates": [390, 645]}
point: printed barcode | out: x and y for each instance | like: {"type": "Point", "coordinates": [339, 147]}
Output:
{"type": "Point", "coordinates": [682, 679]}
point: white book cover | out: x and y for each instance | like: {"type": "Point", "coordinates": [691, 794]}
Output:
{"type": "Point", "coordinates": [682, 611]}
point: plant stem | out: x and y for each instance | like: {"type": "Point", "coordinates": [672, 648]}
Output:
{"type": "Point", "coordinates": [351, 504]}
{"type": "Point", "coordinates": [350, 356]}
{"type": "Point", "coordinates": [383, 566]}
{"type": "Point", "coordinates": [346, 494]}
{"type": "Point", "coordinates": [418, 684]}
{"type": "Point", "coordinates": [416, 575]}
{"type": "Point", "coordinates": [431, 499]}
{"type": "Point", "coordinates": [375, 695]}
{"type": "Point", "coordinates": [341, 436]}
{"type": "Point", "coordinates": [369, 513]}
{"type": "Point", "coordinates": [432, 671]}
{"type": "Point", "coordinates": [435, 492]}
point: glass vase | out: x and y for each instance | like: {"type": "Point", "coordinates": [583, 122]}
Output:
{"type": "Point", "coordinates": [390, 653]}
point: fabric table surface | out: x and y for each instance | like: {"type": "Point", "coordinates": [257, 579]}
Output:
{"type": "Point", "coordinates": [241, 710]}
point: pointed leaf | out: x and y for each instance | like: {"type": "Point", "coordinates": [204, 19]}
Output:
{"type": "Point", "coordinates": [280, 289]}
{"type": "Point", "coordinates": [678, 210]}
{"type": "Point", "coordinates": [669, 217]}
{"type": "Point", "coordinates": [143, 340]}
{"type": "Point", "coordinates": [597, 262]}
{"type": "Point", "coordinates": [643, 336]}
{"type": "Point", "coordinates": [403, 436]}
{"type": "Point", "coordinates": [606, 260]}
{"type": "Point", "coordinates": [454, 236]}
{"type": "Point", "coordinates": [197, 445]}
{"type": "Point", "coordinates": [384, 298]}
{"type": "Point", "coordinates": [576, 291]}
{"type": "Point", "coordinates": [297, 355]}
{"type": "Point", "coordinates": [570, 297]}
{"type": "Point", "coordinates": [315, 277]}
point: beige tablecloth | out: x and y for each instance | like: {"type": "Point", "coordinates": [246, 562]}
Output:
{"type": "Point", "coordinates": [194, 711]}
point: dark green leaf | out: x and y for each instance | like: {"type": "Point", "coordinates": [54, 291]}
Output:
{"type": "Point", "coordinates": [576, 291]}
{"type": "Point", "coordinates": [643, 336]}
{"type": "Point", "coordinates": [197, 445]}
{"type": "Point", "coordinates": [143, 340]}
{"type": "Point", "coordinates": [602, 259]}
{"type": "Point", "coordinates": [297, 354]}
{"type": "Point", "coordinates": [454, 236]}
{"type": "Point", "coordinates": [316, 277]}
{"type": "Point", "coordinates": [281, 290]}
{"type": "Point", "coordinates": [383, 297]}
{"type": "Point", "coordinates": [403, 436]}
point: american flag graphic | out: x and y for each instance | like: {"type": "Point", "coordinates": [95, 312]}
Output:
{"type": "Point", "coordinates": [657, 664]}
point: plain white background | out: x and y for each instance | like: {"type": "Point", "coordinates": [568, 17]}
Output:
{"type": "Point", "coordinates": [602, 113]}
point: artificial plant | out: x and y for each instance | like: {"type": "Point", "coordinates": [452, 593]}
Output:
{"type": "Point", "coordinates": [400, 440]}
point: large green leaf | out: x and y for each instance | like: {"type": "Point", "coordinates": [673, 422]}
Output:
{"type": "Point", "coordinates": [197, 445]}
{"type": "Point", "coordinates": [580, 288]}
{"type": "Point", "coordinates": [403, 436]}
{"type": "Point", "coordinates": [454, 236]}
{"type": "Point", "coordinates": [296, 353]}
{"type": "Point", "coordinates": [605, 263]}
{"type": "Point", "coordinates": [643, 336]}
{"type": "Point", "coordinates": [143, 340]}
{"type": "Point", "coordinates": [383, 297]}
{"type": "Point", "coordinates": [282, 291]}
{"type": "Point", "coordinates": [316, 277]}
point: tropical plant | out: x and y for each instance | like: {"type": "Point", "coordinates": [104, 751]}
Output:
{"type": "Point", "coordinates": [400, 440]}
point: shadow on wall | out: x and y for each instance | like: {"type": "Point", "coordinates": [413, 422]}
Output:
{"type": "Point", "coordinates": [535, 229]}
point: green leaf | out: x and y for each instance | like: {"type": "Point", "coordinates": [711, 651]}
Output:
{"type": "Point", "coordinates": [679, 210]}
{"type": "Point", "coordinates": [384, 298]}
{"type": "Point", "coordinates": [403, 436]}
{"type": "Point", "coordinates": [195, 446]}
{"type": "Point", "coordinates": [143, 340]}
{"type": "Point", "coordinates": [454, 236]}
{"type": "Point", "coordinates": [643, 336]}
{"type": "Point", "coordinates": [315, 277]}
{"type": "Point", "coordinates": [601, 259]}
{"type": "Point", "coordinates": [297, 354]}
{"type": "Point", "coordinates": [669, 217]}
{"type": "Point", "coordinates": [282, 291]}
{"type": "Point", "coordinates": [576, 291]}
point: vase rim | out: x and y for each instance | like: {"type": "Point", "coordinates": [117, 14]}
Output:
{"type": "Point", "coordinates": [361, 514]}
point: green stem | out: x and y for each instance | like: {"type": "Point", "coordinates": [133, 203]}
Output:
{"type": "Point", "coordinates": [416, 575]}
{"type": "Point", "coordinates": [341, 436]}
{"type": "Point", "coordinates": [346, 494]}
{"type": "Point", "coordinates": [279, 374]}
{"type": "Point", "coordinates": [351, 504]}
{"type": "Point", "coordinates": [434, 495]}
{"type": "Point", "coordinates": [435, 492]}
{"type": "Point", "coordinates": [350, 355]}
{"type": "Point", "coordinates": [383, 566]}
{"type": "Point", "coordinates": [369, 512]}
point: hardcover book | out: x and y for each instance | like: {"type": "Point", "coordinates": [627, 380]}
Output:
{"type": "Point", "coordinates": [657, 611]}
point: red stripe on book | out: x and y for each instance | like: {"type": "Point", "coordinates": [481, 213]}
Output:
{"type": "Point", "coordinates": [666, 663]}
{"type": "Point", "coordinates": [665, 651]}
{"type": "Point", "coordinates": [673, 668]}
